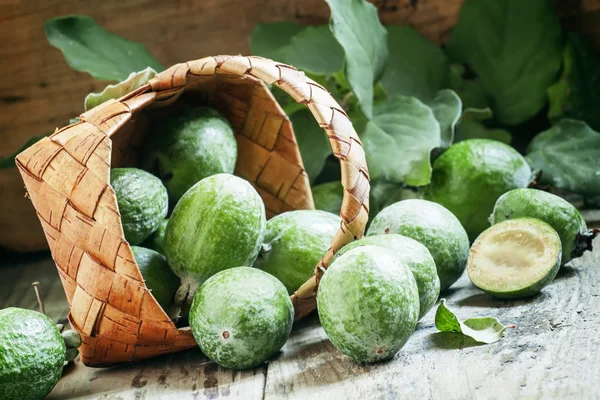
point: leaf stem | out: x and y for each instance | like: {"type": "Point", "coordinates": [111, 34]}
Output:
{"type": "Point", "coordinates": [38, 294]}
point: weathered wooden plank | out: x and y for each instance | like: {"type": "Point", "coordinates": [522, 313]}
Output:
{"type": "Point", "coordinates": [552, 353]}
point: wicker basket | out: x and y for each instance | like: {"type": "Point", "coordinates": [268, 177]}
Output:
{"type": "Point", "coordinates": [67, 178]}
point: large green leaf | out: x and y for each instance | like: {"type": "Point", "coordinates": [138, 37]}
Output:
{"type": "Point", "coordinates": [569, 156]}
{"type": "Point", "coordinates": [312, 141]}
{"type": "Point", "coordinates": [9, 161]}
{"type": "Point", "coordinates": [484, 330]}
{"type": "Point", "coordinates": [577, 93]}
{"type": "Point", "coordinates": [134, 81]}
{"type": "Point", "coordinates": [416, 67]}
{"type": "Point", "coordinates": [515, 48]}
{"type": "Point", "coordinates": [87, 47]}
{"type": "Point", "coordinates": [355, 24]}
{"type": "Point", "coordinates": [446, 107]}
{"type": "Point", "coordinates": [399, 139]}
{"type": "Point", "coordinates": [471, 126]}
{"type": "Point", "coordinates": [470, 91]}
{"type": "Point", "coordinates": [312, 49]}
{"type": "Point", "coordinates": [271, 40]}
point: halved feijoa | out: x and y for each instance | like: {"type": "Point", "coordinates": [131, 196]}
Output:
{"type": "Point", "coordinates": [515, 258]}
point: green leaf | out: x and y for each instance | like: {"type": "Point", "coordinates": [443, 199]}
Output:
{"type": "Point", "coordinates": [270, 40]}
{"type": "Point", "coordinates": [399, 139]}
{"type": "Point", "coordinates": [355, 24]}
{"type": "Point", "coordinates": [483, 330]}
{"type": "Point", "coordinates": [9, 161]}
{"type": "Point", "coordinates": [312, 141]}
{"type": "Point", "coordinates": [446, 106]}
{"type": "Point", "coordinates": [416, 67]}
{"type": "Point", "coordinates": [470, 91]}
{"type": "Point", "coordinates": [315, 50]}
{"type": "Point", "coordinates": [87, 47]}
{"type": "Point", "coordinates": [134, 81]}
{"type": "Point", "coordinates": [577, 93]}
{"type": "Point", "coordinates": [515, 47]}
{"type": "Point", "coordinates": [471, 126]}
{"type": "Point", "coordinates": [568, 155]}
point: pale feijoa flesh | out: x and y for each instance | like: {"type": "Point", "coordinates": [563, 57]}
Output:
{"type": "Point", "coordinates": [218, 224]}
{"type": "Point", "coordinates": [434, 227]}
{"type": "Point", "coordinates": [417, 257]}
{"type": "Point", "coordinates": [241, 316]}
{"type": "Point", "coordinates": [515, 258]}
{"type": "Point", "coordinates": [294, 243]}
{"type": "Point", "coordinates": [558, 213]}
{"type": "Point", "coordinates": [368, 303]}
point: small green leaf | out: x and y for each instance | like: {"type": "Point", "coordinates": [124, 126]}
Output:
{"type": "Point", "coordinates": [9, 161]}
{"type": "Point", "coordinates": [355, 24]}
{"type": "Point", "coordinates": [312, 141]}
{"type": "Point", "coordinates": [134, 81]}
{"type": "Point", "coordinates": [568, 155]}
{"type": "Point", "coordinates": [470, 91]}
{"type": "Point", "coordinates": [470, 126]}
{"type": "Point", "coordinates": [514, 47]}
{"type": "Point", "coordinates": [270, 40]}
{"type": "Point", "coordinates": [483, 330]}
{"type": "Point", "coordinates": [577, 93]}
{"type": "Point", "coordinates": [416, 67]}
{"type": "Point", "coordinates": [399, 139]}
{"type": "Point", "coordinates": [446, 107]}
{"type": "Point", "coordinates": [87, 47]}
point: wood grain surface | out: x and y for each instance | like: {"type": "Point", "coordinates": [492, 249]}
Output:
{"type": "Point", "coordinates": [551, 354]}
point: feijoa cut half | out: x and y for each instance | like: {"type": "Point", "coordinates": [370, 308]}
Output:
{"type": "Point", "coordinates": [515, 258]}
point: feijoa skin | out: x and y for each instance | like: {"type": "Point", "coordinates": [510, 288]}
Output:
{"type": "Point", "coordinates": [328, 197]}
{"type": "Point", "coordinates": [143, 202]}
{"type": "Point", "coordinates": [32, 354]}
{"type": "Point", "coordinates": [188, 147]}
{"type": "Point", "coordinates": [368, 303]}
{"type": "Point", "coordinates": [555, 211]}
{"type": "Point", "coordinates": [241, 317]}
{"type": "Point", "coordinates": [433, 226]}
{"type": "Point", "coordinates": [469, 177]}
{"type": "Point", "coordinates": [156, 241]}
{"type": "Point", "coordinates": [218, 224]}
{"type": "Point", "coordinates": [515, 258]}
{"type": "Point", "coordinates": [416, 256]}
{"type": "Point", "coordinates": [294, 243]}
{"type": "Point", "coordinates": [159, 278]}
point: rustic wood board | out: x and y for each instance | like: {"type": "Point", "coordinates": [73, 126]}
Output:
{"type": "Point", "coordinates": [552, 353]}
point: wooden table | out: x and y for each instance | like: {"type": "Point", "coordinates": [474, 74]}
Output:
{"type": "Point", "coordinates": [554, 352]}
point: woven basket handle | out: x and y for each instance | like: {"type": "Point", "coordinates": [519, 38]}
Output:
{"type": "Point", "coordinates": [329, 114]}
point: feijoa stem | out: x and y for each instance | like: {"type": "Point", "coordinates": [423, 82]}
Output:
{"type": "Point", "coordinates": [38, 294]}
{"type": "Point", "coordinates": [583, 242]}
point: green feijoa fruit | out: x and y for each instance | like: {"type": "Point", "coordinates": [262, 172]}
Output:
{"type": "Point", "coordinates": [558, 213]}
{"type": "Point", "coordinates": [434, 227]}
{"type": "Point", "coordinates": [515, 258]}
{"type": "Point", "coordinates": [189, 146]}
{"type": "Point", "coordinates": [328, 196]}
{"type": "Point", "coordinates": [218, 224]}
{"type": "Point", "coordinates": [241, 316]}
{"type": "Point", "coordinates": [469, 177]}
{"type": "Point", "coordinates": [294, 243]}
{"type": "Point", "coordinates": [368, 303]}
{"type": "Point", "coordinates": [416, 256]}
{"type": "Point", "coordinates": [156, 241]}
{"type": "Point", "coordinates": [159, 278]}
{"type": "Point", "coordinates": [143, 202]}
{"type": "Point", "coordinates": [32, 354]}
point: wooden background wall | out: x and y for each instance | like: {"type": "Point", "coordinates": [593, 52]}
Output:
{"type": "Point", "coordinates": [39, 92]}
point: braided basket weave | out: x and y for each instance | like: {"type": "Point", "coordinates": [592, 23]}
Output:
{"type": "Point", "coordinates": [67, 178]}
